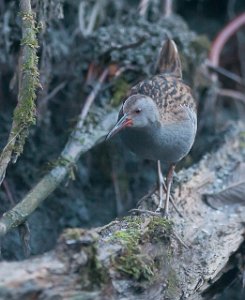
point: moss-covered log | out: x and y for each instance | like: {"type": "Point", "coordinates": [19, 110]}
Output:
{"type": "Point", "coordinates": [139, 257]}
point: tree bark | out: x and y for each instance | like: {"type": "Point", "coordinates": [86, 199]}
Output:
{"type": "Point", "coordinates": [141, 257]}
{"type": "Point", "coordinates": [24, 114]}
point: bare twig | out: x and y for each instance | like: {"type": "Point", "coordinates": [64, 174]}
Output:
{"type": "Point", "coordinates": [148, 195]}
{"type": "Point", "coordinates": [45, 99]}
{"type": "Point", "coordinates": [79, 142]}
{"type": "Point", "coordinates": [8, 192]}
{"type": "Point", "coordinates": [143, 6]}
{"type": "Point", "coordinates": [232, 94]}
{"type": "Point", "coordinates": [126, 46]}
{"type": "Point", "coordinates": [231, 13]}
{"type": "Point", "coordinates": [152, 191]}
{"type": "Point", "coordinates": [226, 73]}
{"type": "Point", "coordinates": [167, 8]}
{"type": "Point", "coordinates": [87, 29]}
{"type": "Point", "coordinates": [91, 97]}
{"type": "Point", "coordinates": [223, 37]}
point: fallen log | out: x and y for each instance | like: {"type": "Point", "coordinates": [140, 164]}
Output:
{"type": "Point", "coordinates": [142, 256]}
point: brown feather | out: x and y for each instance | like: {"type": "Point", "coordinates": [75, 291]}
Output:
{"type": "Point", "coordinates": [168, 90]}
{"type": "Point", "coordinates": [169, 61]}
{"type": "Point", "coordinates": [169, 93]}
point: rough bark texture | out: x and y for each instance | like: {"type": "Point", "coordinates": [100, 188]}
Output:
{"type": "Point", "coordinates": [139, 257]}
{"type": "Point", "coordinates": [24, 114]}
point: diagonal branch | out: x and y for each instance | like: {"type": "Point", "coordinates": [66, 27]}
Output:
{"type": "Point", "coordinates": [81, 140]}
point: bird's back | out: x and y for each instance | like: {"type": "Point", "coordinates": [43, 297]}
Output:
{"type": "Point", "coordinates": [177, 109]}
{"type": "Point", "coordinates": [170, 94]}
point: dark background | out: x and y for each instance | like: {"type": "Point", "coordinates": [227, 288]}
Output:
{"type": "Point", "coordinates": [65, 57]}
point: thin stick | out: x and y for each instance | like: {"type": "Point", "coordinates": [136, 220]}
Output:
{"type": "Point", "coordinates": [223, 37]}
{"type": "Point", "coordinates": [91, 97]}
{"type": "Point", "coordinates": [232, 94]}
{"type": "Point", "coordinates": [149, 194]}
{"type": "Point", "coordinates": [8, 192]}
{"type": "Point", "coordinates": [59, 87]}
{"type": "Point", "coordinates": [226, 73]}
{"type": "Point", "coordinates": [143, 6]}
{"type": "Point", "coordinates": [167, 8]}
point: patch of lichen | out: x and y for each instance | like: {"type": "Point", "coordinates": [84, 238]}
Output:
{"type": "Point", "coordinates": [72, 234]}
{"type": "Point", "coordinates": [25, 112]}
{"type": "Point", "coordinates": [132, 261]}
{"type": "Point", "coordinates": [63, 162]}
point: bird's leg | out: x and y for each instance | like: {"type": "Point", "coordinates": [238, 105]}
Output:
{"type": "Point", "coordinates": [163, 187]}
{"type": "Point", "coordinates": [160, 186]}
{"type": "Point", "coordinates": [169, 180]}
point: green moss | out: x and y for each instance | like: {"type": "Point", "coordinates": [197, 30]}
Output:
{"type": "Point", "coordinates": [159, 228]}
{"type": "Point", "coordinates": [201, 44]}
{"type": "Point", "coordinates": [136, 266]}
{"type": "Point", "coordinates": [63, 162]}
{"type": "Point", "coordinates": [120, 89]}
{"type": "Point", "coordinates": [130, 262]}
{"type": "Point", "coordinates": [25, 112]}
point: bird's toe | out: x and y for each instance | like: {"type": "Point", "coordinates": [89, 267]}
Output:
{"type": "Point", "coordinates": [161, 211]}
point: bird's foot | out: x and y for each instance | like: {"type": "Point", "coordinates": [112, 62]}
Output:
{"type": "Point", "coordinates": [161, 211]}
{"type": "Point", "coordinates": [144, 211]}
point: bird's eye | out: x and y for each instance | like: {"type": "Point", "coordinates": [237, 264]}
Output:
{"type": "Point", "coordinates": [138, 110]}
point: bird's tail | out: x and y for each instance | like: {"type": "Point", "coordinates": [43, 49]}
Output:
{"type": "Point", "coordinates": [169, 60]}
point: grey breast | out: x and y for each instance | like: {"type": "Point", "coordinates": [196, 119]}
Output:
{"type": "Point", "coordinates": [168, 142]}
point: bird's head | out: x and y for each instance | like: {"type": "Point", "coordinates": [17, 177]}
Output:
{"type": "Point", "coordinates": [138, 111]}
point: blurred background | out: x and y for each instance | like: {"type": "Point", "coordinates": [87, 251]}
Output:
{"type": "Point", "coordinates": [78, 39]}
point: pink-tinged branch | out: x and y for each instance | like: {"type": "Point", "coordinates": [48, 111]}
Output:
{"type": "Point", "coordinates": [223, 37]}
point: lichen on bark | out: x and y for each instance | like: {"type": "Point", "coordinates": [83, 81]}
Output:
{"type": "Point", "coordinates": [25, 112]}
{"type": "Point", "coordinates": [28, 80]}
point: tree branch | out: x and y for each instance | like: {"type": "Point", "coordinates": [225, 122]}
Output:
{"type": "Point", "coordinates": [80, 141]}
{"type": "Point", "coordinates": [24, 114]}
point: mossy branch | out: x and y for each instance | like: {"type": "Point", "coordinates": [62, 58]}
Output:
{"type": "Point", "coordinates": [81, 140]}
{"type": "Point", "coordinates": [25, 111]}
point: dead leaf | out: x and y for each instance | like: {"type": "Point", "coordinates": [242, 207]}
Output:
{"type": "Point", "coordinates": [234, 193]}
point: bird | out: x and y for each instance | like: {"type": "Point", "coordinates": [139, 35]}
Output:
{"type": "Point", "coordinates": [158, 118]}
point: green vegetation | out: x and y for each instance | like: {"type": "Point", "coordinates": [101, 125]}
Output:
{"type": "Point", "coordinates": [25, 112]}
{"type": "Point", "coordinates": [132, 261]}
